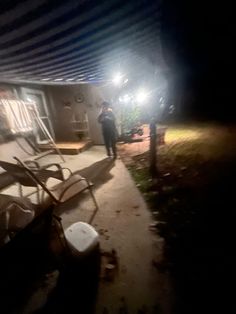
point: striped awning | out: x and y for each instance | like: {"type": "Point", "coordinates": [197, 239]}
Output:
{"type": "Point", "coordinates": [77, 41]}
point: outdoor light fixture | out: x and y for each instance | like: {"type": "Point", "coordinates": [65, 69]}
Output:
{"type": "Point", "coordinates": [117, 79]}
{"type": "Point", "coordinates": [126, 98]}
{"type": "Point", "coordinates": [141, 96]}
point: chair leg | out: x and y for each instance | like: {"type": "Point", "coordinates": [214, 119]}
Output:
{"type": "Point", "coordinates": [20, 190]}
{"type": "Point", "coordinates": [95, 203]}
{"type": "Point", "coordinates": [38, 195]}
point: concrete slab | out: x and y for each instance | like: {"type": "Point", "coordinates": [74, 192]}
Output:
{"type": "Point", "coordinates": [125, 217]}
{"type": "Point", "coordinates": [123, 223]}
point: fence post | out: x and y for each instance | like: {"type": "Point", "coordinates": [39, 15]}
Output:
{"type": "Point", "coordinates": [153, 149]}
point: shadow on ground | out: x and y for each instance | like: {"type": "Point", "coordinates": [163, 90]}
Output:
{"type": "Point", "coordinates": [76, 288]}
{"type": "Point", "coordinates": [98, 173]}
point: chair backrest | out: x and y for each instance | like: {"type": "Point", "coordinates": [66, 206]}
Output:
{"type": "Point", "coordinates": [15, 214]}
{"type": "Point", "coordinates": [18, 173]}
{"type": "Point", "coordinates": [28, 172]}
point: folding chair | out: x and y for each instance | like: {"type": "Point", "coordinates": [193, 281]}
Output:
{"type": "Point", "coordinates": [63, 191]}
{"type": "Point", "coordinates": [19, 176]}
{"type": "Point", "coordinates": [38, 177]}
{"type": "Point", "coordinates": [15, 214]}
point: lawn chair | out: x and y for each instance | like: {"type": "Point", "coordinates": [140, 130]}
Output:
{"type": "Point", "coordinates": [59, 193]}
{"type": "Point", "coordinates": [24, 245]}
{"type": "Point", "coordinates": [15, 214]}
{"type": "Point", "coordinates": [62, 192]}
{"type": "Point", "coordinates": [19, 176]}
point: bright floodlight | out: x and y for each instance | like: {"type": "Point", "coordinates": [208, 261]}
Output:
{"type": "Point", "coordinates": [126, 98]}
{"type": "Point", "coordinates": [117, 79]}
{"type": "Point", "coordinates": [141, 96]}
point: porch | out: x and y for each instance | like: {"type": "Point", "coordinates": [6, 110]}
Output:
{"type": "Point", "coordinates": [123, 224]}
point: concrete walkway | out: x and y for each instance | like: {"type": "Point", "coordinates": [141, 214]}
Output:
{"type": "Point", "coordinates": [126, 219]}
{"type": "Point", "coordinates": [123, 223]}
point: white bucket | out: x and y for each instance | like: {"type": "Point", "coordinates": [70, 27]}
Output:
{"type": "Point", "coordinates": [82, 238]}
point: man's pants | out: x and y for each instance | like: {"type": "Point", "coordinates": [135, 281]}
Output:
{"type": "Point", "coordinates": [110, 141]}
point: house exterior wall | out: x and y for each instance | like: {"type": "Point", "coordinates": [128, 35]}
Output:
{"type": "Point", "coordinates": [57, 97]}
{"type": "Point", "coordinates": [82, 99]}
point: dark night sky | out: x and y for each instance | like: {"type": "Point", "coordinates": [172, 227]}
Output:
{"type": "Point", "coordinates": [197, 45]}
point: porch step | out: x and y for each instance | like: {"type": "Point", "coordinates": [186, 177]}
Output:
{"type": "Point", "coordinates": [69, 148]}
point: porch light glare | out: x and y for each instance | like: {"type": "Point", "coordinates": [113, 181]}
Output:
{"type": "Point", "coordinates": [126, 99]}
{"type": "Point", "coordinates": [141, 96]}
{"type": "Point", "coordinates": [117, 79]}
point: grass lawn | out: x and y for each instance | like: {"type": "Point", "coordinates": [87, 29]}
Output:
{"type": "Point", "coordinates": [193, 202]}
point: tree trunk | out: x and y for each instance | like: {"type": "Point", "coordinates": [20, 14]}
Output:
{"type": "Point", "coordinates": [153, 150]}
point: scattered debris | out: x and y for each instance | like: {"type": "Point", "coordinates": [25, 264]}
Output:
{"type": "Point", "coordinates": [155, 193]}
{"type": "Point", "coordinates": [109, 271]}
{"type": "Point", "coordinates": [154, 225]}
{"type": "Point", "coordinates": [166, 174]}
{"type": "Point", "coordinates": [102, 231]}
{"type": "Point", "coordinates": [167, 188]}
{"type": "Point", "coordinates": [118, 211]}
{"type": "Point", "coordinates": [109, 265]}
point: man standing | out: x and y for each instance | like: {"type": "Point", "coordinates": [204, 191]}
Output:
{"type": "Point", "coordinates": [107, 120]}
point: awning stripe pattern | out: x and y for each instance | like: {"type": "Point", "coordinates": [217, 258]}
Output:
{"type": "Point", "coordinates": [75, 40]}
